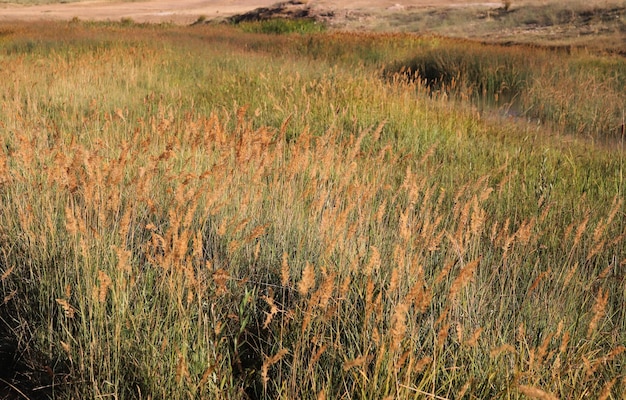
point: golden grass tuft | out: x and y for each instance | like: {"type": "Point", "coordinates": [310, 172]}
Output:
{"type": "Point", "coordinates": [308, 279]}
{"type": "Point", "coordinates": [536, 393]}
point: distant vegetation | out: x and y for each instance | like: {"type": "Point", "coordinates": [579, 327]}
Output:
{"type": "Point", "coordinates": [201, 212]}
{"type": "Point", "coordinates": [282, 26]}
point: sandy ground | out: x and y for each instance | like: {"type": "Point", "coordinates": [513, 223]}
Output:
{"type": "Point", "coordinates": [188, 11]}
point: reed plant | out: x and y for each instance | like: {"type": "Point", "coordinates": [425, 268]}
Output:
{"type": "Point", "coordinates": [187, 216]}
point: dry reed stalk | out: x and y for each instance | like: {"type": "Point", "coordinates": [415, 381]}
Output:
{"type": "Point", "coordinates": [369, 300]}
{"type": "Point", "coordinates": [464, 389]}
{"type": "Point", "coordinates": [206, 375]}
{"type": "Point", "coordinates": [419, 295]}
{"type": "Point", "coordinates": [459, 332]}
{"type": "Point", "coordinates": [71, 223]}
{"type": "Point", "coordinates": [595, 249]}
{"type": "Point", "coordinates": [125, 223]}
{"type": "Point", "coordinates": [198, 246]}
{"type": "Point", "coordinates": [399, 256]}
{"type": "Point", "coordinates": [435, 239]}
{"type": "Point", "coordinates": [570, 275]}
{"type": "Point", "coordinates": [612, 355]}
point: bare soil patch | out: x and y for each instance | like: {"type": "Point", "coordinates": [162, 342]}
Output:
{"type": "Point", "coordinates": [187, 11]}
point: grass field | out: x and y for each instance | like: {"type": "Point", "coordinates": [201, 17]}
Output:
{"type": "Point", "coordinates": [203, 212]}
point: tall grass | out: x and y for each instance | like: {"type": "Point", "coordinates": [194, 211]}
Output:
{"type": "Point", "coordinates": [184, 216]}
{"type": "Point", "coordinates": [577, 93]}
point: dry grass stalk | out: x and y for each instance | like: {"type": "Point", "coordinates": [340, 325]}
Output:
{"type": "Point", "coordinates": [606, 389]}
{"type": "Point", "coordinates": [269, 361]}
{"type": "Point", "coordinates": [380, 213]}
{"type": "Point", "coordinates": [398, 323]}
{"type": "Point", "coordinates": [505, 348]}
{"type": "Point", "coordinates": [570, 275]}
{"type": "Point", "coordinates": [6, 273]}
{"type": "Point", "coordinates": [284, 271]}
{"type": "Point", "coordinates": [357, 362]}
{"type": "Point", "coordinates": [220, 279]}
{"type": "Point", "coordinates": [599, 309]}
{"type": "Point", "coordinates": [308, 279]}
{"type": "Point", "coordinates": [462, 223]}
{"type": "Point", "coordinates": [374, 262]}
{"type": "Point", "coordinates": [524, 233]}
{"type": "Point", "coordinates": [442, 335]}
{"type": "Point", "coordinates": [535, 283]}
{"type": "Point", "coordinates": [182, 370]}
{"type": "Point", "coordinates": [318, 353]}
{"type": "Point", "coordinates": [68, 310]}
{"type": "Point", "coordinates": [465, 276]}
{"type": "Point", "coordinates": [444, 272]}
{"type": "Point", "coordinates": [269, 299]}
{"type": "Point", "coordinates": [422, 364]}
{"type": "Point", "coordinates": [326, 290]}
{"type": "Point", "coordinates": [393, 281]}
{"type": "Point", "coordinates": [477, 217]}
{"type": "Point", "coordinates": [464, 389]}
{"type": "Point", "coordinates": [105, 283]}
{"type": "Point", "coordinates": [579, 231]}
{"type": "Point", "coordinates": [419, 295]}
{"type": "Point", "coordinates": [473, 339]}
{"type": "Point", "coordinates": [536, 393]}
{"type": "Point", "coordinates": [542, 350]}
{"type": "Point", "coordinates": [9, 297]}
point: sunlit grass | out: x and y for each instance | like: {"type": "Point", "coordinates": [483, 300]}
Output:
{"type": "Point", "coordinates": [205, 213]}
